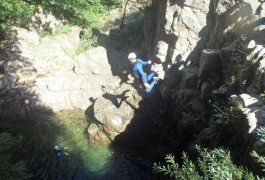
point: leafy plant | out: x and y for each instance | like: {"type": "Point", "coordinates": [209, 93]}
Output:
{"type": "Point", "coordinates": [187, 171]}
{"type": "Point", "coordinates": [62, 29]}
{"type": "Point", "coordinates": [75, 12]}
{"type": "Point", "coordinates": [227, 113]}
{"type": "Point", "coordinates": [14, 13]}
{"type": "Point", "coordinates": [261, 133]}
{"type": "Point", "coordinates": [88, 41]}
{"type": "Point", "coordinates": [210, 164]}
{"type": "Point", "coordinates": [217, 164]}
{"type": "Point", "coordinates": [260, 159]}
{"type": "Point", "coordinates": [79, 12]}
{"type": "Point", "coordinates": [8, 168]}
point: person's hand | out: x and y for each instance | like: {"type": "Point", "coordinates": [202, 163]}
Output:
{"type": "Point", "coordinates": [149, 62]}
{"type": "Point", "coordinates": [146, 85]}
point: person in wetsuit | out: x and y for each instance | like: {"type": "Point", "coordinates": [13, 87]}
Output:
{"type": "Point", "coordinates": [60, 151]}
{"type": "Point", "coordinates": [149, 80]}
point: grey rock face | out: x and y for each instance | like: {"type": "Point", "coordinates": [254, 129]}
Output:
{"type": "Point", "coordinates": [223, 43]}
{"type": "Point", "coordinates": [179, 27]}
{"type": "Point", "coordinates": [43, 69]}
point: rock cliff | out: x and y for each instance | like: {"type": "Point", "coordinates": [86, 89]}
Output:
{"type": "Point", "coordinates": [211, 57]}
{"type": "Point", "coordinates": [212, 52]}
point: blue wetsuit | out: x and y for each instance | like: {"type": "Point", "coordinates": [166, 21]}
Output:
{"type": "Point", "coordinates": [140, 74]}
{"type": "Point", "coordinates": [60, 153]}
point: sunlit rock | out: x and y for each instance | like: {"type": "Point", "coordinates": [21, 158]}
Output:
{"type": "Point", "coordinates": [250, 101]}
{"type": "Point", "coordinates": [261, 53]}
{"type": "Point", "coordinates": [28, 36]}
{"type": "Point", "coordinates": [111, 118]}
{"type": "Point", "coordinates": [253, 53]}
{"type": "Point", "coordinates": [251, 44]}
{"type": "Point", "coordinates": [252, 120]}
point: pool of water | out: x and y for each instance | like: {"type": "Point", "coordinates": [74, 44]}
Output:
{"type": "Point", "coordinates": [87, 160]}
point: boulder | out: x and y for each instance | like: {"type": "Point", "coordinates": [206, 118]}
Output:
{"type": "Point", "coordinates": [111, 120]}
{"type": "Point", "coordinates": [255, 116]}
{"type": "Point", "coordinates": [26, 35]}
{"type": "Point", "coordinates": [250, 101]}
{"type": "Point", "coordinates": [67, 90]}
{"type": "Point", "coordinates": [98, 61]}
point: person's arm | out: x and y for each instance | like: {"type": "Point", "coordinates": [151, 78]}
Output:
{"type": "Point", "coordinates": [144, 62]}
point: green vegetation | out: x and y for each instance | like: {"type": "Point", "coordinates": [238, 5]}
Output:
{"type": "Point", "coordinates": [75, 12]}
{"type": "Point", "coordinates": [62, 29]}
{"type": "Point", "coordinates": [228, 113]}
{"type": "Point", "coordinates": [15, 12]}
{"type": "Point", "coordinates": [211, 164]}
{"type": "Point", "coordinates": [79, 12]}
{"type": "Point", "coordinates": [260, 159]}
{"type": "Point", "coordinates": [87, 14]}
{"type": "Point", "coordinates": [88, 40]}
{"type": "Point", "coordinates": [9, 168]}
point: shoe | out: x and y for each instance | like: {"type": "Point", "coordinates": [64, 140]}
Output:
{"type": "Point", "coordinates": [156, 78]}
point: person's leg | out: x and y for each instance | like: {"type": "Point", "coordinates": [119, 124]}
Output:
{"type": "Point", "coordinates": [148, 90]}
{"type": "Point", "coordinates": [151, 75]}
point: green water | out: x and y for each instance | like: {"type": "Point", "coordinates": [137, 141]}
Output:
{"type": "Point", "coordinates": [73, 135]}
{"type": "Point", "coordinates": [38, 135]}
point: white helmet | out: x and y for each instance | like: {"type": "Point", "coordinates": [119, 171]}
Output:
{"type": "Point", "coordinates": [56, 148]}
{"type": "Point", "coordinates": [26, 101]}
{"type": "Point", "coordinates": [132, 55]}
